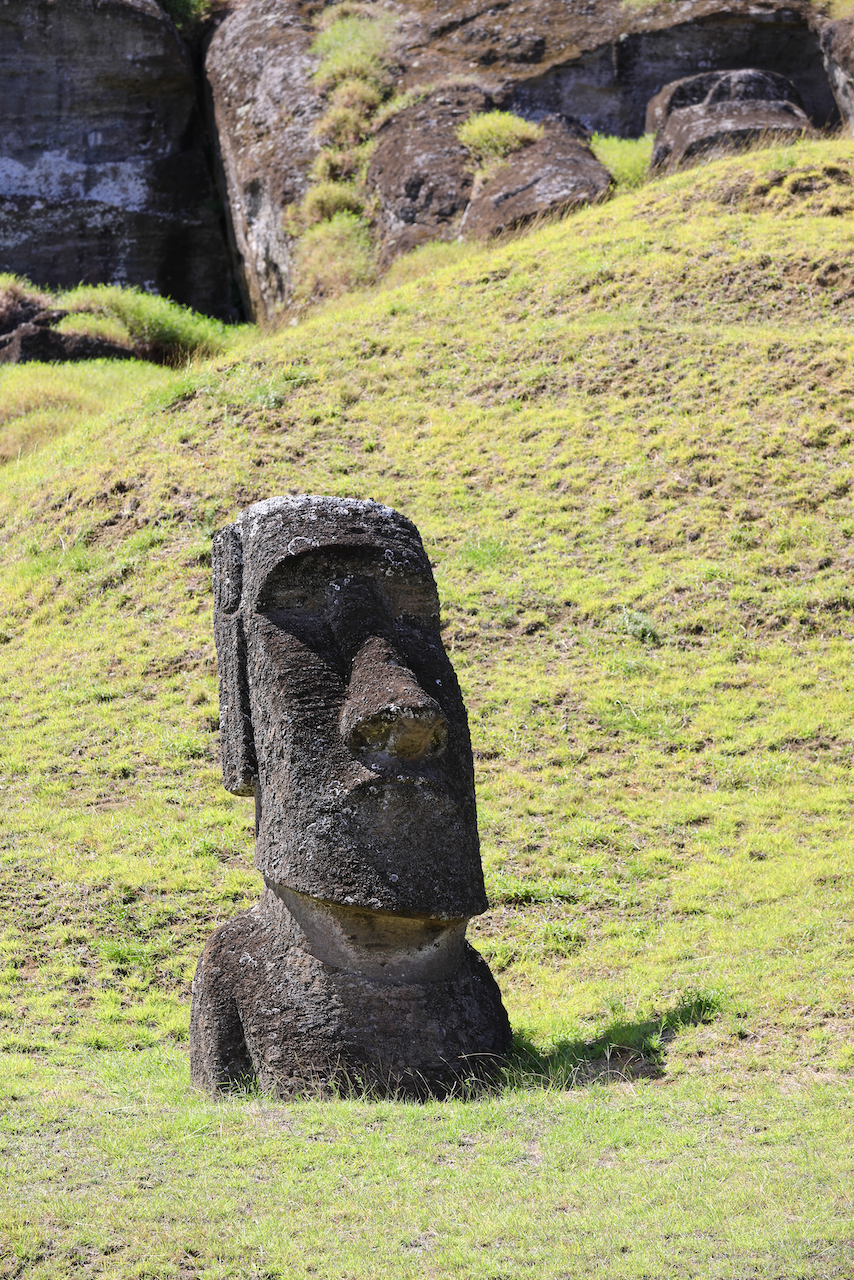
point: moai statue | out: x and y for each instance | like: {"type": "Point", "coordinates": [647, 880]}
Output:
{"type": "Point", "coordinates": [340, 711]}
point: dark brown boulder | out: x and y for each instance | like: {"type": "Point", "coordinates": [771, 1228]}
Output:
{"type": "Point", "coordinates": [30, 342]}
{"type": "Point", "coordinates": [718, 111]}
{"type": "Point", "coordinates": [341, 713]}
{"type": "Point", "coordinates": [544, 179]}
{"type": "Point", "coordinates": [421, 173]}
{"type": "Point", "coordinates": [103, 176]}
{"type": "Point", "coordinates": [259, 70]}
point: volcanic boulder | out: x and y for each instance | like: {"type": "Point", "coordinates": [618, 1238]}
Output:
{"type": "Point", "coordinates": [546, 178]}
{"type": "Point", "coordinates": [719, 111]}
{"type": "Point", "coordinates": [421, 173]}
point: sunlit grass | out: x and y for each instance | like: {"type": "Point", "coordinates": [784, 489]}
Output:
{"type": "Point", "coordinates": [626, 440]}
{"type": "Point", "coordinates": [627, 159]}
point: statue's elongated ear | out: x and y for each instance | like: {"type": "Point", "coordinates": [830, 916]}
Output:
{"type": "Point", "coordinates": [237, 743]}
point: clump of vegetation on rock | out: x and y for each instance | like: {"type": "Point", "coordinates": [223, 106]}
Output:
{"type": "Point", "coordinates": [354, 45]}
{"type": "Point", "coordinates": [166, 329]}
{"type": "Point", "coordinates": [626, 158]}
{"type": "Point", "coordinates": [492, 135]}
{"type": "Point", "coordinates": [334, 256]}
{"type": "Point", "coordinates": [154, 328]}
{"type": "Point", "coordinates": [328, 199]}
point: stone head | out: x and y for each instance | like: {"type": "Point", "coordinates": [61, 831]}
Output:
{"type": "Point", "coordinates": [340, 710]}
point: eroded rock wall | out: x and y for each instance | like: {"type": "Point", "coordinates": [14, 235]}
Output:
{"type": "Point", "coordinates": [103, 174]}
{"type": "Point", "coordinates": [837, 45]}
{"type": "Point", "coordinates": [608, 87]}
{"type": "Point", "coordinates": [591, 62]}
{"type": "Point", "coordinates": [259, 71]}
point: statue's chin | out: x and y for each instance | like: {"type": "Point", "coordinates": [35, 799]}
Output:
{"type": "Point", "coordinates": [381, 946]}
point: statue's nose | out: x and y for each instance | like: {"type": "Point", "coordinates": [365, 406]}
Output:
{"type": "Point", "coordinates": [386, 710]}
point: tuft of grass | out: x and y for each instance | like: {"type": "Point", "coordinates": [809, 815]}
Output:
{"type": "Point", "coordinates": [492, 135]}
{"type": "Point", "coordinates": [341, 126]}
{"type": "Point", "coordinates": [357, 95]}
{"type": "Point", "coordinates": [327, 200]}
{"type": "Point", "coordinates": [354, 47]}
{"type": "Point", "coordinates": [627, 159]}
{"type": "Point", "coordinates": [334, 256]}
{"type": "Point", "coordinates": [171, 330]}
{"type": "Point", "coordinates": [96, 326]}
{"type": "Point", "coordinates": [641, 626]}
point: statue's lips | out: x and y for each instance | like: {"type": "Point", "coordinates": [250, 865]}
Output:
{"type": "Point", "coordinates": [398, 789]}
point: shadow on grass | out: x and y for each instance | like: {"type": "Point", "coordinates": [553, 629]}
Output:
{"type": "Point", "coordinates": [624, 1051]}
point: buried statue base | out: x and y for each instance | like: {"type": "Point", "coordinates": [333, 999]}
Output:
{"type": "Point", "coordinates": [267, 1008]}
{"type": "Point", "coordinates": [340, 712]}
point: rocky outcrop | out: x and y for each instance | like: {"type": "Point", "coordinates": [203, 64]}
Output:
{"type": "Point", "coordinates": [721, 111]}
{"type": "Point", "coordinates": [837, 47]}
{"type": "Point", "coordinates": [259, 70]}
{"type": "Point", "coordinates": [545, 179]}
{"type": "Point", "coordinates": [103, 170]}
{"type": "Point", "coordinates": [601, 62]}
{"type": "Point", "coordinates": [596, 65]}
{"type": "Point", "coordinates": [103, 176]}
{"type": "Point", "coordinates": [36, 341]}
{"type": "Point", "coordinates": [420, 173]}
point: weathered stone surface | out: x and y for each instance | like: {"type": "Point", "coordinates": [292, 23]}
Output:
{"type": "Point", "coordinates": [34, 341]}
{"type": "Point", "coordinates": [721, 109]}
{"type": "Point", "coordinates": [20, 306]}
{"type": "Point", "coordinates": [259, 72]}
{"type": "Point", "coordinates": [837, 47]}
{"type": "Point", "coordinates": [103, 177]}
{"type": "Point", "coordinates": [340, 710]}
{"type": "Point", "coordinates": [421, 174]}
{"type": "Point", "coordinates": [601, 62]}
{"type": "Point", "coordinates": [548, 178]}
{"type": "Point", "coordinates": [598, 64]}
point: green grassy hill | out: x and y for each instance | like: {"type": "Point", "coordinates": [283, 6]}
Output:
{"type": "Point", "coordinates": [627, 441]}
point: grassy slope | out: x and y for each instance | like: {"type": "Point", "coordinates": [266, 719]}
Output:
{"type": "Point", "coordinates": [627, 442]}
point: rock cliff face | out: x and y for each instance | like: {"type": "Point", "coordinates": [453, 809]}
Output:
{"type": "Point", "coordinates": [591, 62]}
{"type": "Point", "coordinates": [601, 61]}
{"type": "Point", "coordinates": [259, 71]}
{"type": "Point", "coordinates": [103, 172]}
{"type": "Point", "coordinates": [103, 177]}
